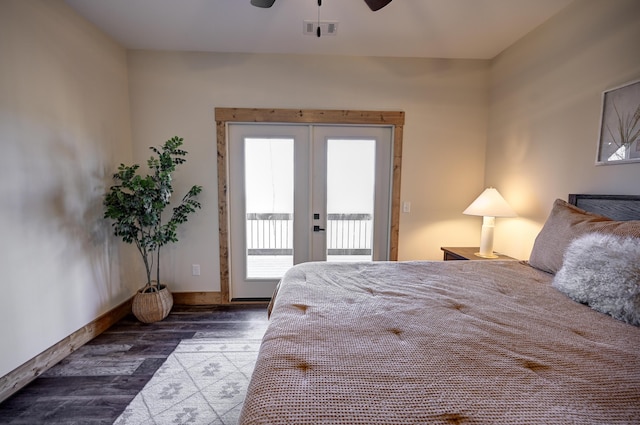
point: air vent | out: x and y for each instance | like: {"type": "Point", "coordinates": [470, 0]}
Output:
{"type": "Point", "coordinates": [326, 27]}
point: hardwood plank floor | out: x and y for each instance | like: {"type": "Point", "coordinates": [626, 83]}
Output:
{"type": "Point", "coordinates": [96, 383]}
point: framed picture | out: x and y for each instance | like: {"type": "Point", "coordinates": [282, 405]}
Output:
{"type": "Point", "coordinates": [620, 125]}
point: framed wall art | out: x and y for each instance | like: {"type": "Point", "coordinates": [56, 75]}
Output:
{"type": "Point", "coordinates": [619, 140]}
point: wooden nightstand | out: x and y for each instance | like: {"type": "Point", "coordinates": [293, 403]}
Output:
{"type": "Point", "coordinates": [468, 253]}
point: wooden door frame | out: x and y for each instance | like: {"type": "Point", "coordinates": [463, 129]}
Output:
{"type": "Point", "coordinates": [223, 116]}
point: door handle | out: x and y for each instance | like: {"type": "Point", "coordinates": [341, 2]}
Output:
{"type": "Point", "coordinates": [318, 229]}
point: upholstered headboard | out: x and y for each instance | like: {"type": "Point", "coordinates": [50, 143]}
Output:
{"type": "Point", "coordinates": [616, 207]}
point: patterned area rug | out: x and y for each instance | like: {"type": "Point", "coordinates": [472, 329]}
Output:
{"type": "Point", "coordinates": [203, 381]}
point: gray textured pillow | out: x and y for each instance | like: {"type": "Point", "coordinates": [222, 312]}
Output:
{"type": "Point", "coordinates": [565, 223]}
{"type": "Point", "coordinates": [603, 271]}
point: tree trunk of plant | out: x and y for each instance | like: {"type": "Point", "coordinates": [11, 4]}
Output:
{"type": "Point", "coordinates": [158, 268]}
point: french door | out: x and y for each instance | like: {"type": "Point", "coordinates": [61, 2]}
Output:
{"type": "Point", "coordinates": [301, 193]}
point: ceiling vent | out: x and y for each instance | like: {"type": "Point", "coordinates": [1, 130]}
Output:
{"type": "Point", "coordinates": [326, 27]}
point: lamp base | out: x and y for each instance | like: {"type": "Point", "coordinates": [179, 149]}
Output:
{"type": "Point", "coordinates": [486, 238]}
{"type": "Point", "coordinates": [492, 255]}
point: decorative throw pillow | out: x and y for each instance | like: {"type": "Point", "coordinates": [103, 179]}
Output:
{"type": "Point", "coordinates": [603, 271]}
{"type": "Point", "coordinates": [567, 222]}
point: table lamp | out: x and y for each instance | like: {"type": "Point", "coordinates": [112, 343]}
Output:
{"type": "Point", "coordinates": [490, 204]}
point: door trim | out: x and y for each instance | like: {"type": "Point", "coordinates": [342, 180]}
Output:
{"type": "Point", "coordinates": [301, 116]}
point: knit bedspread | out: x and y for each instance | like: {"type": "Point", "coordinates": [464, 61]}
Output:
{"type": "Point", "coordinates": [456, 342]}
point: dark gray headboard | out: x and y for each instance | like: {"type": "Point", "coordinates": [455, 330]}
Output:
{"type": "Point", "coordinates": [617, 207]}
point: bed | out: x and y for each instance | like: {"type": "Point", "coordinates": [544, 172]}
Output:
{"type": "Point", "coordinates": [464, 342]}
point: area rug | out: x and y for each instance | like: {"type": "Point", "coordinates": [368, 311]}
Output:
{"type": "Point", "coordinates": [204, 381]}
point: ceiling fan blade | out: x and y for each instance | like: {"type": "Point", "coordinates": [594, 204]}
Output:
{"type": "Point", "coordinates": [375, 4]}
{"type": "Point", "coordinates": [263, 3]}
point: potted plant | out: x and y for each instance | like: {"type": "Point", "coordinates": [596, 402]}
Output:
{"type": "Point", "coordinates": [136, 206]}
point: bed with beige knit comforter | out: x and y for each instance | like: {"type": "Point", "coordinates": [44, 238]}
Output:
{"type": "Point", "coordinates": [457, 342]}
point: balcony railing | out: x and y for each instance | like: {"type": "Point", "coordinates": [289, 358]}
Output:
{"type": "Point", "coordinates": [349, 234]}
{"type": "Point", "coordinates": [269, 234]}
{"type": "Point", "coordinates": [272, 234]}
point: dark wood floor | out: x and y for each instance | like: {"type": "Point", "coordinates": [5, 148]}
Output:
{"type": "Point", "coordinates": [97, 382]}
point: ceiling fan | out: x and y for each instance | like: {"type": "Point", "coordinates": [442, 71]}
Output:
{"type": "Point", "coordinates": [373, 4]}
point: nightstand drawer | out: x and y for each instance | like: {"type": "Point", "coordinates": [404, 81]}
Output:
{"type": "Point", "coordinates": [450, 256]}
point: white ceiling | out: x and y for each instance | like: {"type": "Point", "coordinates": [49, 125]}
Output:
{"type": "Point", "coordinates": [474, 29]}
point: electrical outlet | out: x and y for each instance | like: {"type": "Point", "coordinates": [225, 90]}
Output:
{"type": "Point", "coordinates": [195, 269]}
{"type": "Point", "coordinates": [406, 207]}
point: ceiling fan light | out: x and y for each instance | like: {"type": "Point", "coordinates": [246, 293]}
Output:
{"type": "Point", "coordinates": [263, 3]}
{"type": "Point", "coordinates": [377, 4]}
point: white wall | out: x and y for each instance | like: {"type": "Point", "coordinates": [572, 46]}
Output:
{"type": "Point", "coordinates": [546, 94]}
{"type": "Point", "coordinates": [444, 139]}
{"type": "Point", "coordinates": [64, 126]}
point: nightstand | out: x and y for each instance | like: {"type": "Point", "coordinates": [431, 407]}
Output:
{"type": "Point", "coordinates": [468, 253]}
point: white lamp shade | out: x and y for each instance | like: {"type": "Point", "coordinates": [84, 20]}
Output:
{"type": "Point", "coordinates": [490, 204]}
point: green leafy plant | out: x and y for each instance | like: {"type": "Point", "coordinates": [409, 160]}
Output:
{"type": "Point", "coordinates": [137, 203]}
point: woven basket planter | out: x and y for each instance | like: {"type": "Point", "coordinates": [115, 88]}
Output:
{"type": "Point", "coordinates": [149, 307]}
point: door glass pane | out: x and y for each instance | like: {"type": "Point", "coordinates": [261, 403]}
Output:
{"type": "Point", "coordinates": [269, 206]}
{"type": "Point", "coordinates": [350, 199]}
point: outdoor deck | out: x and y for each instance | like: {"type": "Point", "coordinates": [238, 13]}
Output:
{"type": "Point", "coordinates": [270, 241]}
{"type": "Point", "coordinates": [274, 266]}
